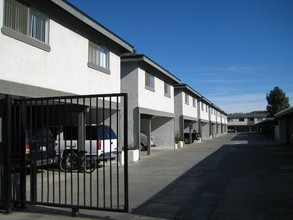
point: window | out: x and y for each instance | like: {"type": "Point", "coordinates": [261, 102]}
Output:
{"type": "Point", "coordinates": [149, 81]}
{"type": "Point", "coordinates": [202, 106]}
{"type": "Point", "coordinates": [37, 26]}
{"type": "Point", "coordinates": [207, 108]}
{"type": "Point", "coordinates": [167, 90]}
{"type": "Point", "coordinates": [230, 120]}
{"type": "Point", "coordinates": [99, 58]}
{"type": "Point", "coordinates": [241, 119]}
{"type": "Point", "coordinates": [26, 24]}
{"type": "Point", "coordinates": [194, 102]}
{"type": "Point", "coordinates": [251, 119]}
{"type": "Point", "coordinates": [186, 99]}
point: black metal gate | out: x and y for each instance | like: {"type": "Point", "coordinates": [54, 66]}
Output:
{"type": "Point", "coordinates": [37, 133]}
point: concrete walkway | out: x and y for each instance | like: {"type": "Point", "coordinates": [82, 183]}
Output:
{"type": "Point", "coordinates": [235, 176]}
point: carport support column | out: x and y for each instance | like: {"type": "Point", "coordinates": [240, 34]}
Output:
{"type": "Point", "coordinates": [190, 133]}
{"type": "Point", "coordinates": [81, 132]}
{"type": "Point", "coordinates": [200, 128]}
{"type": "Point", "coordinates": [149, 130]}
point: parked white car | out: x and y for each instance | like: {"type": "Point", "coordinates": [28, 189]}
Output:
{"type": "Point", "coordinates": [144, 143]}
{"type": "Point", "coordinates": [100, 141]}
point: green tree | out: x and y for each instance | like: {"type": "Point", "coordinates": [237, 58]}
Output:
{"type": "Point", "coordinates": [277, 101]}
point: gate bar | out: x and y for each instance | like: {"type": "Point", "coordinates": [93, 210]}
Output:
{"type": "Point", "coordinates": [7, 153]}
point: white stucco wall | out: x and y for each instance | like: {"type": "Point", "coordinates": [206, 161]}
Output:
{"type": "Point", "coordinates": [204, 115]}
{"type": "Point", "coordinates": [213, 115]}
{"type": "Point", "coordinates": [64, 68]}
{"type": "Point", "coordinates": [189, 110]}
{"type": "Point", "coordinates": [218, 117]}
{"type": "Point", "coordinates": [155, 100]}
{"type": "Point", "coordinates": [237, 122]}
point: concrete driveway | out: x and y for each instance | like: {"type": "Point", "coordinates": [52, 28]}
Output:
{"type": "Point", "coordinates": [235, 176]}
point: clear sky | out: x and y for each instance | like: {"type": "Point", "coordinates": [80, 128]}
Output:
{"type": "Point", "coordinates": [233, 52]}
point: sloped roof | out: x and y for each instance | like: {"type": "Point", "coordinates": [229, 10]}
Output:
{"type": "Point", "coordinates": [133, 57]}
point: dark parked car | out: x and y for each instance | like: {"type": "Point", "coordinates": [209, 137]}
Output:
{"type": "Point", "coordinates": [42, 147]}
{"type": "Point", "coordinates": [38, 147]}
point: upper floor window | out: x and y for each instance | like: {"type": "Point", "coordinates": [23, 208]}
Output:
{"type": "Point", "coordinates": [207, 109]}
{"type": "Point", "coordinates": [26, 24]}
{"type": "Point", "coordinates": [99, 57]}
{"type": "Point", "coordinates": [194, 102]}
{"type": "Point", "coordinates": [149, 81]}
{"type": "Point", "coordinates": [202, 106]}
{"type": "Point", "coordinates": [167, 89]}
{"type": "Point", "coordinates": [186, 99]}
{"type": "Point", "coordinates": [241, 119]}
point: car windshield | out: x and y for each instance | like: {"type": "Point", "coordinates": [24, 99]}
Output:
{"type": "Point", "coordinates": [105, 132]}
{"type": "Point", "coordinates": [44, 132]}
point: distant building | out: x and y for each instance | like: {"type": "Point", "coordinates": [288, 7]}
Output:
{"type": "Point", "coordinates": [245, 122]}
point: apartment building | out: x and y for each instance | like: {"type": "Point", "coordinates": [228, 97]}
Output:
{"type": "Point", "coordinates": [50, 48]}
{"type": "Point", "coordinates": [186, 111]}
{"type": "Point", "coordinates": [245, 122]}
{"type": "Point", "coordinates": [150, 89]}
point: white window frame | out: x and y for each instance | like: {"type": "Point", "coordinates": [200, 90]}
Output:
{"type": "Point", "coordinates": [99, 58]}
{"type": "Point", "coordinates": [167, 90]}
{"type": "Point", "coordinates": [186, 99]}
{"type": "Point", "coordinates": [149, 81]}
{"type": "Point", "coordinates": [26, 24]}
{"type": "Point", "coordinates": [194, 102]}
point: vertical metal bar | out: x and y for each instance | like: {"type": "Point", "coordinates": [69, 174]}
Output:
{"type": "Point", "coordinates": [59, 145]}
{"type": "Point", "coordinates": [111, 182]}
{"type": "Point", "coordinates": [126, 196]}
{"type": "Point", "coordinates": [71, 174]}
{"type": "Point", "coordinates": [84, 177]}
{"type": "Point", "coordinates": [47, 150]}
{"type": "Point", "coordinates": [78, 147]}
{"type": "Point", "coordinates": [117, 150]}
{"type": "Point", "coordinates": [65, 173]}
{"type": "Point", "coordinates": [33, 155]}
{"type": "Point", "coordinates": [1, 153]}
{"type": "Point", "coordinates": [20, 120]}
{"type": "Point", "coordinates": [97, 125]}
{"type": "Point", "coordinates": [7, 153]}
{"type": "Point", "coordinates": [42, 158]}
{"type": "Point", "coordinates": [90, 130]}
{"type": "Point", "coordinates": [103, 140]}
{"type": "Point", "coordinates": [54, 152]}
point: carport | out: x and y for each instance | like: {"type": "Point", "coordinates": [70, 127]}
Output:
{"type": "Point", "coordinates": [204, 129]}
{"type": "Point", "coordinates": [190, 128]}
{"type": "Point", "coordinates": [156, 124]}
{"type": "Point", "coordinates": [106, 189]}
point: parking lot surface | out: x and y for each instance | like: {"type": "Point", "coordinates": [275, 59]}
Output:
{"type": "Point", "coordinates": [234, 176]}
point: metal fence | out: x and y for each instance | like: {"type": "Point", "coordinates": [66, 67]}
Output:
{"type": "Point", "coordinates": [64, 152]}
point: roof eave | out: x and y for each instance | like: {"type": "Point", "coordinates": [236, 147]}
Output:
{"type": "Point", "coordinates": [71, 9]}
{"type": "Point", "coordinates": [143, 58]}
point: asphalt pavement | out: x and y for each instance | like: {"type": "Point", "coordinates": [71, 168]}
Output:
{"type": "Point", "coordinates": [234, 176]}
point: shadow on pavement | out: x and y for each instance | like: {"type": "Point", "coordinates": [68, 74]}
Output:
{"type": "Point", "coordinates": [238, 181]}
